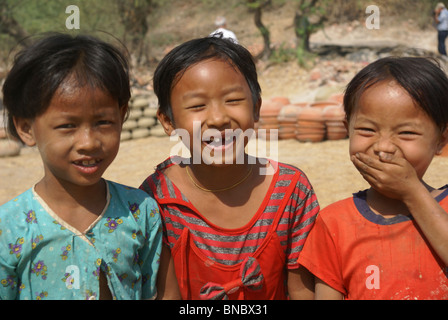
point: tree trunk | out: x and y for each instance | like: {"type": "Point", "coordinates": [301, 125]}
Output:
{"type": "Point", "coordinates": [266, 53]}
{"type": "Point", "coordinates": [10, 26]}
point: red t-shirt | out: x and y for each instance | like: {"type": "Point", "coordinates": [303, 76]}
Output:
{"type": "Point", "coordinates": [230, 247]}
{"type": "Point", "coordinates": [366, 256]}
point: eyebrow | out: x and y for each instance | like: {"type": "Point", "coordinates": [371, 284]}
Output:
{"type": "Point", "coordinates": [412, 123]}
{"type": "Point", "coordinates": [196, 94]}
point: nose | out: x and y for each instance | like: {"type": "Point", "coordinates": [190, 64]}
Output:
{"type": "Point", "coordinates": [384, 144]}
{"type": "Point", "coordinates": [86, 139]}
{"type": "Point", "coordinates": [217, 116]}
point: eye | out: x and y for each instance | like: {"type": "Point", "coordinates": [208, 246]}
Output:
{"type": "Point", "coordinates": [408, 134]}
{"type": "Point", "coordinates": [235, 100]}
{"type": "Point", "coordinates": [66, 126]}
{"type": "Point", "coordinates": [196, 107]}
{"type": "Point", "coordinates": [365, 131]}
{"type": "Point", "coordinates": [104, 122]}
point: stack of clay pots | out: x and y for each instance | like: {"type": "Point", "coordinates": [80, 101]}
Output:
{"type": "Point", "coordinates": [305, 122]}
{"type": "Point", "coordinates": [310, 125]}
{"type": "Point", "coordinates": [287, 120]}
{"type": "Point", "coordinates": [142, 121]}
{"type": "Point", "coordinates": [334, 120]}
{"type": "Point", "coordinates": [269, 112]}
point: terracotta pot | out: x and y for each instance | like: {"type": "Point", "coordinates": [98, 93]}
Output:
{"type": "Point", "coordinates": [310, 137]}
{"type": "Point", "coordinates": [287, 130]}
{"type": "Point", "coordinates": [336, 135]}
{"type": "Point", "coordinates": [270, 108]}
{"type": "Point", "coordinates": [310, 124]}
{"type": "Point", "coordinates": [323, 104]}
{"type": "Point", "coordinates": [281, 100]}
{"type": "Point", "coordinates": [268, 126]}
{"type": "Point", "coordinates": [289, 111]}
{"type": "Point", "coordinates": [302, 104]}
{"type": "Point", "coordinates": [337, 97]}
{"type": "Point", "coordinates": [268, 120]}
{"type": "Point", "coordinates": [335, 112]}
{"type": "Point", "coordinates": [310, 130]}
{"type": "Point", "coordinates": [286, 136]}
{"type": "Point", "coordinates": [310, 114]}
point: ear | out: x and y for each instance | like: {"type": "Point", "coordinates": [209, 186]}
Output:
{"type": "Point", "coordinates": [443, 142]}
{"type": "Point", "coordinates": [24, 128]}
{"type": "Point", "coordinates": [346, 126]}
{"type": "Point", "coordinates": [124, 112]}
{"type": "Point", "coordinates": [166, 122]}
{"type": "Point", "coordinates": [257, 110]}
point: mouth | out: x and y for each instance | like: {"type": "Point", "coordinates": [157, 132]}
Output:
{"type": "Point", "coordinates": [87, 163]}
{"type": "Point", "coordinates": [219, 142]}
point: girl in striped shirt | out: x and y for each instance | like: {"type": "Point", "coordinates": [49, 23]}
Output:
{"type": "Point", "coordinates": [234, 225]}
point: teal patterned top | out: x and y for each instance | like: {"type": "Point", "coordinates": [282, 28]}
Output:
{"type": "Point", "coordinates": [43, 257]}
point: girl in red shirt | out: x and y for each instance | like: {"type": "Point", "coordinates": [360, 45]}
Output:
{"type": "Point", "coordinates": [233, 230]}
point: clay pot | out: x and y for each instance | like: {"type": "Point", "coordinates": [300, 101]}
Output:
{"type": "Point", "coordinates": [270, 108]}
{"type": "Point", "coordinates": [289, 111]}
{"type": "Point", "coordinates": [287, 131]}
{"type": "Point", "coordinates": [323, 104]}
{"type": "Point", "coordinates": [314, 114]}
{"type": "Point", "coordinates": [281, 100]}
{"type": "Point", "coordinates": [334, 120]}
{"type": "Point", "coordinates": [334, 112]}
{"type": "Point", "coordinates": [310, 125]}
{"type": "Point", "coordinates": [310, 137]}
{"type": "Point", "coordinates": [337, 97]}
{"type": "Point", "coordinates": [269, 120]}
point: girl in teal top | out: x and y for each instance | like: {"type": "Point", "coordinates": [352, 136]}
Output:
{"type": "Point", "coordinates": [74, 235]}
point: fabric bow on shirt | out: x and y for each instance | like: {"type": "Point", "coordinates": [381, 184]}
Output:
{"type": "Point", "coordinates": [250, 277]}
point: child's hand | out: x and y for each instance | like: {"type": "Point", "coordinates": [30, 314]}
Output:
{"type": "Point", "coordinates": [389, 173]}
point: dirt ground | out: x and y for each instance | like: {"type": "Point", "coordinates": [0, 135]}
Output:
{"type": "Point", "coordinates": [326, 164]}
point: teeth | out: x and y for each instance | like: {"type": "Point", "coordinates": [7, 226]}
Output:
{"type": "Point", "coordinates": [87, 163]}
{"type": "Point", "coordinates": [220, 141]}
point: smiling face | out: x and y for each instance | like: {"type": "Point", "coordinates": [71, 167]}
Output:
{"type": "Point", "coordinates": [210, 98]}
{"type": "Point", "coordinates": [387, 120]}
{"type": "Point", "coordinates": [77, 136]}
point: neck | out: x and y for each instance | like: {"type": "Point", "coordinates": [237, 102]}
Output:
{"type": "Point", "coordinates": [58, 194]}
{"type": "Point", "coordinates": [218, 177]}
{"type": "Point", "coordinates": [389, 207]}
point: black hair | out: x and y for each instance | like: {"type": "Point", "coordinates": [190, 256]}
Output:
{"type": "Point", "coordinates": [421, 77]}
{"type": "Point", "coordinates": [177, 61]}
{"type": "Point", "coordinates": [41, 68]}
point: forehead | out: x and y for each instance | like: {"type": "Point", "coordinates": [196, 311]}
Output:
{"type": "Point", "coordinates": [209, 68]}
{"type": "Point", "coordinates": [388, 103]}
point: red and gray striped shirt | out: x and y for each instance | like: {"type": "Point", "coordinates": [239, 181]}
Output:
{"type": "Point", "coordinates": [230, 247]}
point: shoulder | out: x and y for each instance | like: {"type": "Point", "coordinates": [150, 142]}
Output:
{"type": "Point", "coordinates": [287, 172]}
{"type": "Point", "coordinates": [131, 197]}
{"type": "Point", "coordinates": [339, 213]}
{"type": "Point", "coordinates": [17, 217]}
{"type": "Point", "coordinates": [126, 191]}
{"type": "Point", "coordinates": [17, 204]}
{"type": "Point", "coordinates": [157, 178]}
